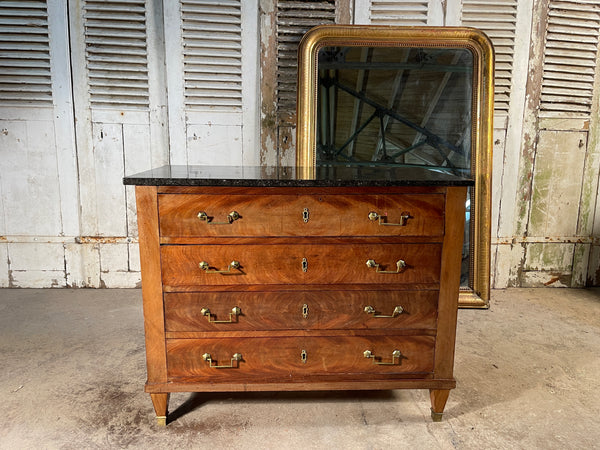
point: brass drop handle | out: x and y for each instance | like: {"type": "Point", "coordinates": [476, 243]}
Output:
{"type": "Point", "coordinates": [232, 315]}
{"type": "Point", "coordinates": [400, 266]}
{"type": "Point", "coordinates": [397, 311]}
{"type": "Point", "coordinates": [404, 216]}
{"type": "Point", "coordinates": [231, 217]}
{"type": "Point", "coordinates": [237, 357]}
{"type": "Point", "coordinates": [395, 356]}
{"type": "Point", "coordinates": [206, 267]}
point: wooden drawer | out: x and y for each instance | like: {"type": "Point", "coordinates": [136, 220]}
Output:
{"type": "Point", "coordinates": [300, 310]}
{"type": "Point", "coordinates": [299, 264]}
{"type": "Point", "coordinates": [265, 359]}
{"type": "Point", "coordinates": [301, 215]}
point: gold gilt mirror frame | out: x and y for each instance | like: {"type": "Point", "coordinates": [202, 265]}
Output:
{"type": "Point", "coordinates": [475, 291]}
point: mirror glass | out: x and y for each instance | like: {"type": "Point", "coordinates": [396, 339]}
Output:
{"type": "Point", "coordinates": [397, 106]}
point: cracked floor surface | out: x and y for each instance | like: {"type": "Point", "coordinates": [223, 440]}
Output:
{"type": "Point", "coordinates": [73, 370]}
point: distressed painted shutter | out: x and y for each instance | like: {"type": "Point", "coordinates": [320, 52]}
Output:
{"type": "Point", "coordinates": [116, 53]}
{"type": "Point", "coordinates": [390, 12]}
{"type": "Point", "coordinates": [212, 83]}
{"type": "Point", "coordinates": [38, 193]}
{"type": "Point", "coordinates": [565, 174]}
{"type": "Point", "coordinates": [570, 58]}
{"type": "Point", "coordinates": [212, 54]}
{"type": "Point", "coordinates": [295, 18]}
{"type": "Point", "coordinates": [25, 78]}
{"type": "Point", "coordinates": [279, 64]}
{"type": "Point", "coordinates": [117, 77]}
{"type": "Point", "coordinates": [399, 12]}
{"type": "Point", "coordinates": [498, 20]}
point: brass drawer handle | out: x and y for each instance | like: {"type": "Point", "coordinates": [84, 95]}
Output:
{"type": "Point", "coordinates": [404, 216]}
{"type": "Point", "coordinates": [397, 311]}
{"type": "Point", "coordinates": [232, 315]}
{"type": "Point", "coordinates": [400, 266]}
{"type": "Point", "coordinates": [231, 217]}
{"type": "Point", "coordinates": [237, 357]}
{"type": "Point", "coordinates": [206, 267]}
{"type": "Point", "coordinates": [395, 356]}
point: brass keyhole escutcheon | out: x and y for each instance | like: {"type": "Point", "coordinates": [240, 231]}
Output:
{"type": "Point", "coordinates": [303, 356]}
{"type": "Point", "coordinates": [305, 311]}
{"type": "Point", "coordinates": [304, 265]}
{"type": "Point", "coordinates": [305, 215]}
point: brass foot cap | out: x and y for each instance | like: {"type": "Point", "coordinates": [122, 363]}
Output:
{"type": "Point", "coordinates": [161, 421]}
{"type": "Point", "coordinates": [435, 416]}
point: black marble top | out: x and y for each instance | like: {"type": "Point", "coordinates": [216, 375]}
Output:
{"type": "Point", "coordinates": [326, 176]}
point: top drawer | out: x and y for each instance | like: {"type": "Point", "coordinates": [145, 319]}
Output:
{"type": "Point", "coordinates": [205, 215]}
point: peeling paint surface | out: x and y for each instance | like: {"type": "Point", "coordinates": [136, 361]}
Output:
{"type": "Point", "coordinates": [67, 221]}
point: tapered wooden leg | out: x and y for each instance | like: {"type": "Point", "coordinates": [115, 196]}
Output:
{"type": "Point", "coordinates": [161, 403]}
{"type": "Point", "coordinates": [438, 402]}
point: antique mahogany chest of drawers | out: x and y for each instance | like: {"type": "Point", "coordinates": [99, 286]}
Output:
{"type": "Point", "coordinates": [254, 280]}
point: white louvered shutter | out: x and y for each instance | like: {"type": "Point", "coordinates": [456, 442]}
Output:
{"type": "Point", "coordinates": [399, 12]}
{"type": "Point", "coordinates": [212, 54]}
{"type": "Point", "coordinates": [570, 58]}
{"type": "Point", "coordinates": [116, 53]}
{"type": "Point", "coordinates": [498, 20]}
{"type": "Point", "coordinates": [294, 19]}
{"type": "Point", "coordinates": [212, 83]}
{"type": "Point", "coordinates": [24, 54]}
{"type": "Point", "coordinates": [395, 12]}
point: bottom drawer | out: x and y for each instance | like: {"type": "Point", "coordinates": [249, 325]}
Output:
{"type": "Point", "coordinates": [271, 358]}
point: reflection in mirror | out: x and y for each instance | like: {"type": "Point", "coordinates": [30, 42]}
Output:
{"type": "Point", "coordinates": [401, 106]}
{"type": "Point", "coordinates": [385, 105]}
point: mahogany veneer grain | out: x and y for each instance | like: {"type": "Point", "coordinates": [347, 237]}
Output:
{"type": "Point", "coordinates": [275, 264]}
{"type": "Point", "coordinates": [282, 215]}
{"type": "Point", "coordinates": [285, 310]}
{"type": "Point", "coordinates": [273, 359]}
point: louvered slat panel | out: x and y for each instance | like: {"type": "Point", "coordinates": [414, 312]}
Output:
{"type": "Point", "coordinates": [498, 20]}
{"type": "Point", "coordinates": [24, 54]}
{"type": "Point", "coordinates": [212, 40]}
{"type": "Point", "coordinates": [116, 53]}
{"type": "Point", "coordinates": [294, 18]}
{"type": "Point", "coordinates": [390, 12]}
{"type": "Point", "coordinates": [570, 58]}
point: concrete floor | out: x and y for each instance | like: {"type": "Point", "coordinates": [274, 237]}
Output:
{"type": "Point", "coordinates": [72, 372]}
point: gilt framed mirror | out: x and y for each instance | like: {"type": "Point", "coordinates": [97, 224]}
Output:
{"type": "Point", "coordinates": [410, 97]}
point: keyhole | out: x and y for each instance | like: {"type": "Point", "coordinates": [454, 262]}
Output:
{"type": "Point", "coordinates": [305, 311]}
{"type": "Point", "coordinates": [305, 215]}
{"type": "Point", "coordinates": [303, 356]}
{"type": "Point", "coordinates": [304, 265]}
